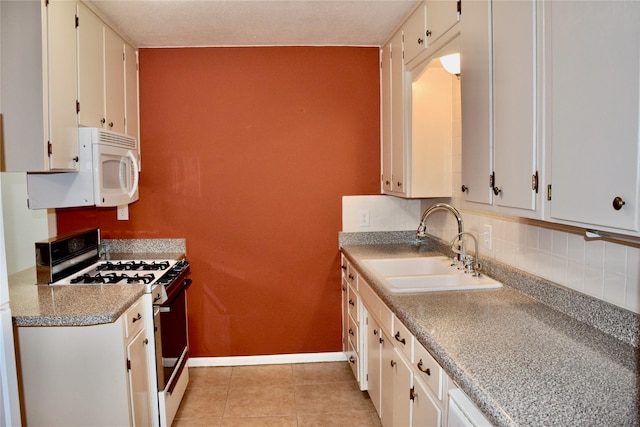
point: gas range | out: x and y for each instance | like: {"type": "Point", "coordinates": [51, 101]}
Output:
{"type": "Point", "coordinates": [145, 272]}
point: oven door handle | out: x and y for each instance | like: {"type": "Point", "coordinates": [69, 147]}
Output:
{"type": "Point", "coordinates": [166, 306]}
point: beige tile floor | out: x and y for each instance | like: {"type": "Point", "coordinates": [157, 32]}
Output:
{"type": "Point", "coordinates": [292, 395]}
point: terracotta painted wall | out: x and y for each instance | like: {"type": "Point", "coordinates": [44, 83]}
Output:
{"type": "Point", "coordinates": [246, 153]}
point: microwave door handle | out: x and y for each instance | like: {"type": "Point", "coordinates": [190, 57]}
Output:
{"type": "Point", "coordinates": [134, 164]}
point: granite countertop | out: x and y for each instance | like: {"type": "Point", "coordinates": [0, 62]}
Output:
{"type": "Point", "coordinates": [74, 305]}
{"type": "Point", "coordinates": [522, 362]}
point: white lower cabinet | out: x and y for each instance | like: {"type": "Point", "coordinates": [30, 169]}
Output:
{"type": "Point", "coordinates": [87, 375]}
{"type": "Point", "coordinates": [405, 383]}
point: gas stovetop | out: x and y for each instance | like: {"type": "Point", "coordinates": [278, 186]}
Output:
{"type": "Point", "coordinates": [147, 272]}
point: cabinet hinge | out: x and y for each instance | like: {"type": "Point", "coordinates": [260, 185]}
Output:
{"type": "Point", "coordinates": [49, 148]}
{"type": "Point", "coordinates": [549, 192]}
{"type": "Point", "coordinates": [492, 179]}
{"type": "Point", "coordinates": [128, 364]}
{"type": "Point", "coordinates": [77, 106]}
{"type": "Point", "coordinates": [459, 6]}
{"type": "Point", "coordinates": [534, 182]}
{"type": "Point", "coordinates": [77, 21]}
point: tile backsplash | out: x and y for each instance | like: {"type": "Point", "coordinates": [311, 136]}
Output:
{"type": "Point", "coordinates": [602, 269]}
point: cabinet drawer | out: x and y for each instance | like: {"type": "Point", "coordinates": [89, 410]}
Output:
{"type": "Point", "coordinates": [134, 319]}
{"type": "Point", "coordinates": [354, 362]}
{"type": "Point", "coordinates": [352, 275]}
{"type": "Point", "coordinates": [386, 319]}
{"type": "Point", "coordinates": [403, 339]}
{"type": "Point", "coordinates": [429, 371]}
{"type": "Point", "coordinates": [354, 335]}
{"type": "Point", "coordinates": [369, 298]}
{"type": "Point", "coordinates": [344, 266]}
{"type": "Point", "coordinates": [353, 301]}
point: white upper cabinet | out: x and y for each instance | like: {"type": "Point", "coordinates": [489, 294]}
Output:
{"type": "Point", "coordinates": [415, 33]}
{"type": "Point", "coordinates": [103, 74]}
{"type": "Point", "coordinates": [515, 133]}
{"type": "Point", "coordinates": [114, 81]}
{"type": "Point", "coordinates": [39, 80]}
{"type": "Point", "coordinates": [385, 117]}
{"type": "Point", "coordinates": [392, 110]}
{"type": "Point", "coordinates": [131, 91]}
{"type": "Point", "coordinates": [477, 114]}
{"type": "Point", "coordinates": [91, 68]}
{"type": "Point", "coordinates": [593, 98]}
{"type": "Point", "coordinates": [442, 15]}
{"type": "Point", "coordinates": [427, 24]}
{"type": "Point", "coordinates": [500, 149]}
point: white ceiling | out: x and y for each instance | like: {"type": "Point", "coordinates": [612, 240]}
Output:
{"type": "Point", "coordinates": [178, 23]}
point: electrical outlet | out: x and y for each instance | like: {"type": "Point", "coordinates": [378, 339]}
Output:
{"type": "Point", "coordinates": [363, 218]}
{"type": "Point", "coordinates": [123, 213]}
{"type": "Point", "coordinates": [487, 236]}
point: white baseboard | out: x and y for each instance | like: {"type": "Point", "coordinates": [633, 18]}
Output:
{"type": "Point", "coordinates": [275, 359]}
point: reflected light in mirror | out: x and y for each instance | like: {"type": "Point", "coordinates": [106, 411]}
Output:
{"type": "Point", "coordinates": [451, 63]}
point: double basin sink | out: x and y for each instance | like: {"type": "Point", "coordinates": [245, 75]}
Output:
{"type": "Point", "coordinates": [425, 274]}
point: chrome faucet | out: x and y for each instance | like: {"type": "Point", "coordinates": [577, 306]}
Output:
{"type": "Point", "coordinates": [422, 228]}
{"type": "Point", "coordinates": [470, 264]}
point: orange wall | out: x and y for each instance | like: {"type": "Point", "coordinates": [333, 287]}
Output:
{"type": "Point", "coordinates": [246, 153]}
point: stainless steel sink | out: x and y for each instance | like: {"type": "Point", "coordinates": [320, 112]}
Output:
{"type": "Point", "coordinates": [425, 274]}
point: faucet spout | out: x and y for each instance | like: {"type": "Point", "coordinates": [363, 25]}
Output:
{"type": "Point", "coordinates": [422, 228]}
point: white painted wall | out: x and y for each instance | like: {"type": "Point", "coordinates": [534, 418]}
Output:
{"type": "Point", "coordinates": [22, 227]}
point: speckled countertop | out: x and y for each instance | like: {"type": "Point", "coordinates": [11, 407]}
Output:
{"type": "Point", "coordinates": [522, 362]}
{"type": "Point", "coordinates": [76, 305]}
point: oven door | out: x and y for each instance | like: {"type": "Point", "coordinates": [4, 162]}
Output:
{"type": "Point", "coordinates": [115, 175]}
{"type": "Point", "coordinates": [174, 352]}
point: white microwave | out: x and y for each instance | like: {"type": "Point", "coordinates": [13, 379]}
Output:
{"type": "Point", "coordinates": [108, 174]}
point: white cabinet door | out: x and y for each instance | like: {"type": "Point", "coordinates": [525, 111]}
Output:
{"type": "Point", "coordinates": [593, 105]}
{"type": "Point", "coordinates": [91, 68]}
{"type": "Point", "coordinates": [114, 81]}
{"type": "Point", "coordinates": [139, 380]}
{"type": "Point", "coordinates": [514, 101]}
{"type": "Point", "coordinates": [415, 33]}
{"type": "Point", "coordinates": [402, 382]}
{"type": "Point", "coordinates": [62, 82]}
{"type": "Point", "coordinates": [386, 118]}
{"type": "Point", "coordinates": [441, 16]}
{"type": "Point", "coordinates": [425, 411]}
{"type": "Point", "coordinates": [374, 360]}
{"type": "Point", "coordinates": [476, 87]}
{"type": "Point", "coordinates": [131, 91]}
{"type": "Point", "coordinates": [387, 372]}
{"type": "Point", "coordinates": [397, 117]}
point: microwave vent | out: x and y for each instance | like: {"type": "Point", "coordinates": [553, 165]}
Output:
{"type": "Point", "coordinates": [117, 139]}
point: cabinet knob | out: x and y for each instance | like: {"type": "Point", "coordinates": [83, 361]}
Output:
{"type": "Point", "coordinates": [497, 190]}
{"type": "Point", "coordinates": [351, 303]}
{"type": "Point", "coordinates": [351, 359]}
{"type": "Point", "coordinates": [399, 184]}
{"type": "Point", "coordinates": [387, 182]}
{"type": "Point", "coordinates": [351, 332]}
{"type": "Point", "coordinates": [375, 332]}
{"type": "Point", "coordinates": [400, 340]}
{"type": "Point", "coordinates": [393, 363]}
{"type": "Point", "coordinates": [428, 33]}
{"type": "Point", "coordinates": [75, 159]}
{"type": "Point", "coordinates": [135, 319]}
{"type": "Point", "coordinates": [381, 340]}
{"type": "Point", "coordinates": [344, 267]}
{"type": "Point", "coordinates": [103, 120]}
{"type": "Point", "coordinates": [464, 188]}
{"type": "Point", "coordinates": [110, 124]}
{"type": "Point", "coordinates": [146, 341]}
{"type": "Point", "coordinates": [618, 203]}
{"type": "Point", "coordinates": [420, 41]}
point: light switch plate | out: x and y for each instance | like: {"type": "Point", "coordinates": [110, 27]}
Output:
{"type": "Point", "coordinates": [487, 236]}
